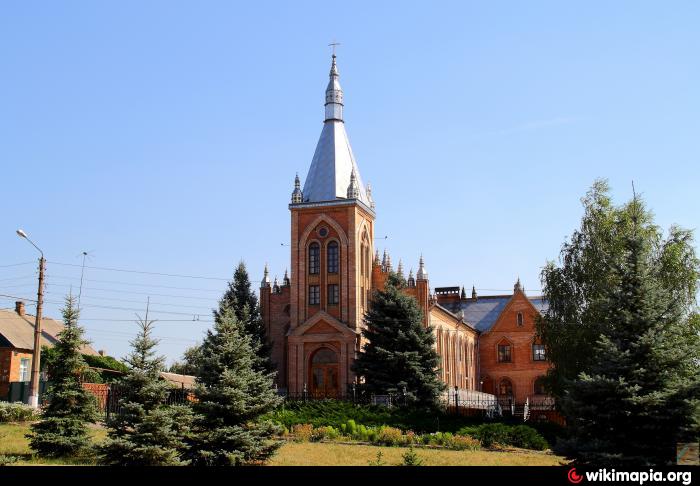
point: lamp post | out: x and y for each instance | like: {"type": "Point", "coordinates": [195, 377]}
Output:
{"type": "Point", "coordinates": [36, 359]}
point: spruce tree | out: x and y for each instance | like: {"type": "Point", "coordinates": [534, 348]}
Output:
{"type": "Point", "coordinates": [145, 431]}
{"type": "Point", "coordinates": [62, 430]}
{"type": "Point", "coordinates": [231, 396]}
{"type": "Point", "coordinates": [636, 395]}
{"type": "Point", "coordinates": [242, 300]}
{"type": "Point", "coordinates": [399, 354]}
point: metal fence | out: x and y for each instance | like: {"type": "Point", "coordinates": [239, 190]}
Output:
{"type": "Point", "coordinates": [109, 398]}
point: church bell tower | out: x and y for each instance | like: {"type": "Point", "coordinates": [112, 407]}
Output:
{"type": "Point", "coordinates": [332, 234]}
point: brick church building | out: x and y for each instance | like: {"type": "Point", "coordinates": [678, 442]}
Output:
{"type": "Point", "coordinates": [314, 317]}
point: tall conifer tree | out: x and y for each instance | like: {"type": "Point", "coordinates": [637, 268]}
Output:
{"type": "Point", "coordinates": [241, 299]}
{"type": "Point", "coordinates": [146, 431]}
{"type": "Point", "coordinates": [636, 393]}
{"type": "Point", "coordinates": [231, 396]}
{"type": "Point", "coordinates": [399, 354]}
{"type": "Point", "coordinates": [62, 430]}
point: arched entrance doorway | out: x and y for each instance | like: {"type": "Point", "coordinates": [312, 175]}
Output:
{"type": "Point", "coordinates": [324, 373]}
{"type": "Point", "coordinates": [505, 392]}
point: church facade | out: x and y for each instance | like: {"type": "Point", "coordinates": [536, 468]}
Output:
{"type": "Point", "coordinates": [314, 317]}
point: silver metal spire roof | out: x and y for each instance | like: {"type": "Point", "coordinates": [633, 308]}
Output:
{"type": "Point", "coordinates": [333, 162]}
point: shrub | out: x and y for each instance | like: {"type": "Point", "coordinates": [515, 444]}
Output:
{"type": "Point", "coordinates": [17, 412]}
{"type": "Point", "coordinates": [321, 433]}
{"type": "Point", "coordinates": [378, 461]}
{"type": "Point", "coordinates": [490, 433]}
{"type": "Point", "coordinates": [464, 443]}
{"type": "Point", "coordinates": [390, 436]}
{"type": "Point", "coordinates": [410, 458]}
{"type": "Point", "coordinates": [511, 435]}
{"type": "Point", "coordinates": [302, 432]}
{"type": "Point", "coordinates": [527, 437]}
{"type": "Point", "coordinates": [6, 460]}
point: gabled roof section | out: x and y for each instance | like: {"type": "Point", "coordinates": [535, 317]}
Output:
{"type": "Point", "coordinates": [483, 312]}
{"type": "Point", "coordinates": [19, 331]}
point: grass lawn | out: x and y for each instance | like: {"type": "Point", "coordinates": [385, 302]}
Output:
{"type": "Point", "coordinates": [14, 443]}
{"type": "Point", "coordinates": [330, 454]}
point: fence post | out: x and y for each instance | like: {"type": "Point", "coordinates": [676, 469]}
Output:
{"type": "Point", "coordinates": [456, 400]}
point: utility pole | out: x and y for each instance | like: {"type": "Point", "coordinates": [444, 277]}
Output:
{"type": "Point", "coordinates": [36, 358]}
{"type": "Point", "coordinates": [34, 383]}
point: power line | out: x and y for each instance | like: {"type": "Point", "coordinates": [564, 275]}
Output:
{"type": "Point", "coordinates": [16, 264]}
{"type": "Point", "coordinates": [140, 302]}
{"type": "Point", "coordinates": [208, 299]}
{"type": "Point", "coordinates": [143, 272]}
{"type": "Point", "coordinates": [135, 284]}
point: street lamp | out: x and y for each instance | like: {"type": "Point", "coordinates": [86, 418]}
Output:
{"type": "Point", "coordinates": [36, 361]}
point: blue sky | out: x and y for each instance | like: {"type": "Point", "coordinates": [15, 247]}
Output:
{"type": "Point", "coordinates": [164, 137]}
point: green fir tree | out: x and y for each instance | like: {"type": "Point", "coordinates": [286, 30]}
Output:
{"type": "Point", "coordinates": [231, 396]}
{"type": "Point", "coordinates": [242, 300]}
{"type": "Point", "coordinates": [634, 392]}
{"type": "Point", "coordinates": [399, 355]}
{"type": "Point", "coordinates": [145, 431]}
{"type": "Point", "coordinates": [62, 430]}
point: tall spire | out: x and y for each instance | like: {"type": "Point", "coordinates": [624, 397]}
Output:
{"type": "Point", "coordinates": [376, 257]}
{"type": "Point", "coordinates": [353, 188]}
{"type": "Point", "coordinates": [517, 287]}
{"type": "Point", "coordinates": [297, 195]}
{"type": "Point", "coordinates": [473, 292]}
{"type": "Point", "coordinates": [411, 280]}
{"type": "Point", "coordinates": [369, 196]}
{"type": "Point", "coordinates": [422, 272]}
{"type": "Point", "coordinates": [399, 269]}
{"type": "Point", "coordinates": [285, 280]}
{"type": "Point", "coordinates": [333, 162]}
{"type": "Point", "coordinates": [266, 278]}
{"type": "Point", "coordinates": [334, 95]}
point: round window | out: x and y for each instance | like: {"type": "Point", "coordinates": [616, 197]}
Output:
{"type": "Point", "coordinates": [323, 232]}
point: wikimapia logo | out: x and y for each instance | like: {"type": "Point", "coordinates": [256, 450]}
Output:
{"type": "Point", "coordinates": [639, 477]}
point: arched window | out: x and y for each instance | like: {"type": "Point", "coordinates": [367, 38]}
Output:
{"type": "Point", "coordinates": [324, 356]}
{"type": "Point", "coordinates": [314, 258]}
{"type": "Point", "coordinates": [332, 257]}
{"type": "Point", "coordinates": [519, 319]}
{"type": "Point", "coordinates": [505, 388]}
{"type": "Point", "coordinates": [540, 388]}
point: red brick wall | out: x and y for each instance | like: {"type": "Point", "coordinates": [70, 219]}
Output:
{"type": "Point", "coordinates": [522, 371]}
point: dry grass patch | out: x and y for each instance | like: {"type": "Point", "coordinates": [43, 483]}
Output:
{"type": "Point", "coordinates": [14, 443]}
{"type": "Point", "coordinates": [331, 454]}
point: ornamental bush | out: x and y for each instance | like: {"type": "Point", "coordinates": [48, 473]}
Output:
{"type": "Point", "coordinates": [17, 412]}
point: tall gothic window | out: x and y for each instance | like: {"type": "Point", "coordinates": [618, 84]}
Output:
{"type": "Point", "coordinates": [332, 257]}
{"type": "Point", "coordinates": [314, 294]}
{"type": "Point", "coordinates": [314, 258]}
{"type": "Point", "coordinates": [519, 319]}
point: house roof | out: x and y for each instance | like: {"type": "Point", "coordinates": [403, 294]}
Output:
{"type": "Point", "coordinates": [19, 331]}
{"type": "Point", "coordinates": [483, 312]}
{"type": "Point", "coordinates": [181, 381]}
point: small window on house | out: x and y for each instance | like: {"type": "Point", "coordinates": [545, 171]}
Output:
{"type": "Point", "coordinates": [314, 294]}
{"type": "Point", "coordinates": [314, 258]}
{"type": "Point", "coordinates": [538, 353]}
{"type": "Point", "coordinates": [333, 294]}
{"type": "Point", "coordinates": [504, 354]}
{"type": "Point", "coordinates": [519, 319]}
{"type": "Point", "coordinates": [332, 252]}
{"type": "Point", "coordinates": [24, 369]}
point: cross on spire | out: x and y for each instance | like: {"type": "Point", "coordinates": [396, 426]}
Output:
{"type": "Point", "coordinates": [332, 45]}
